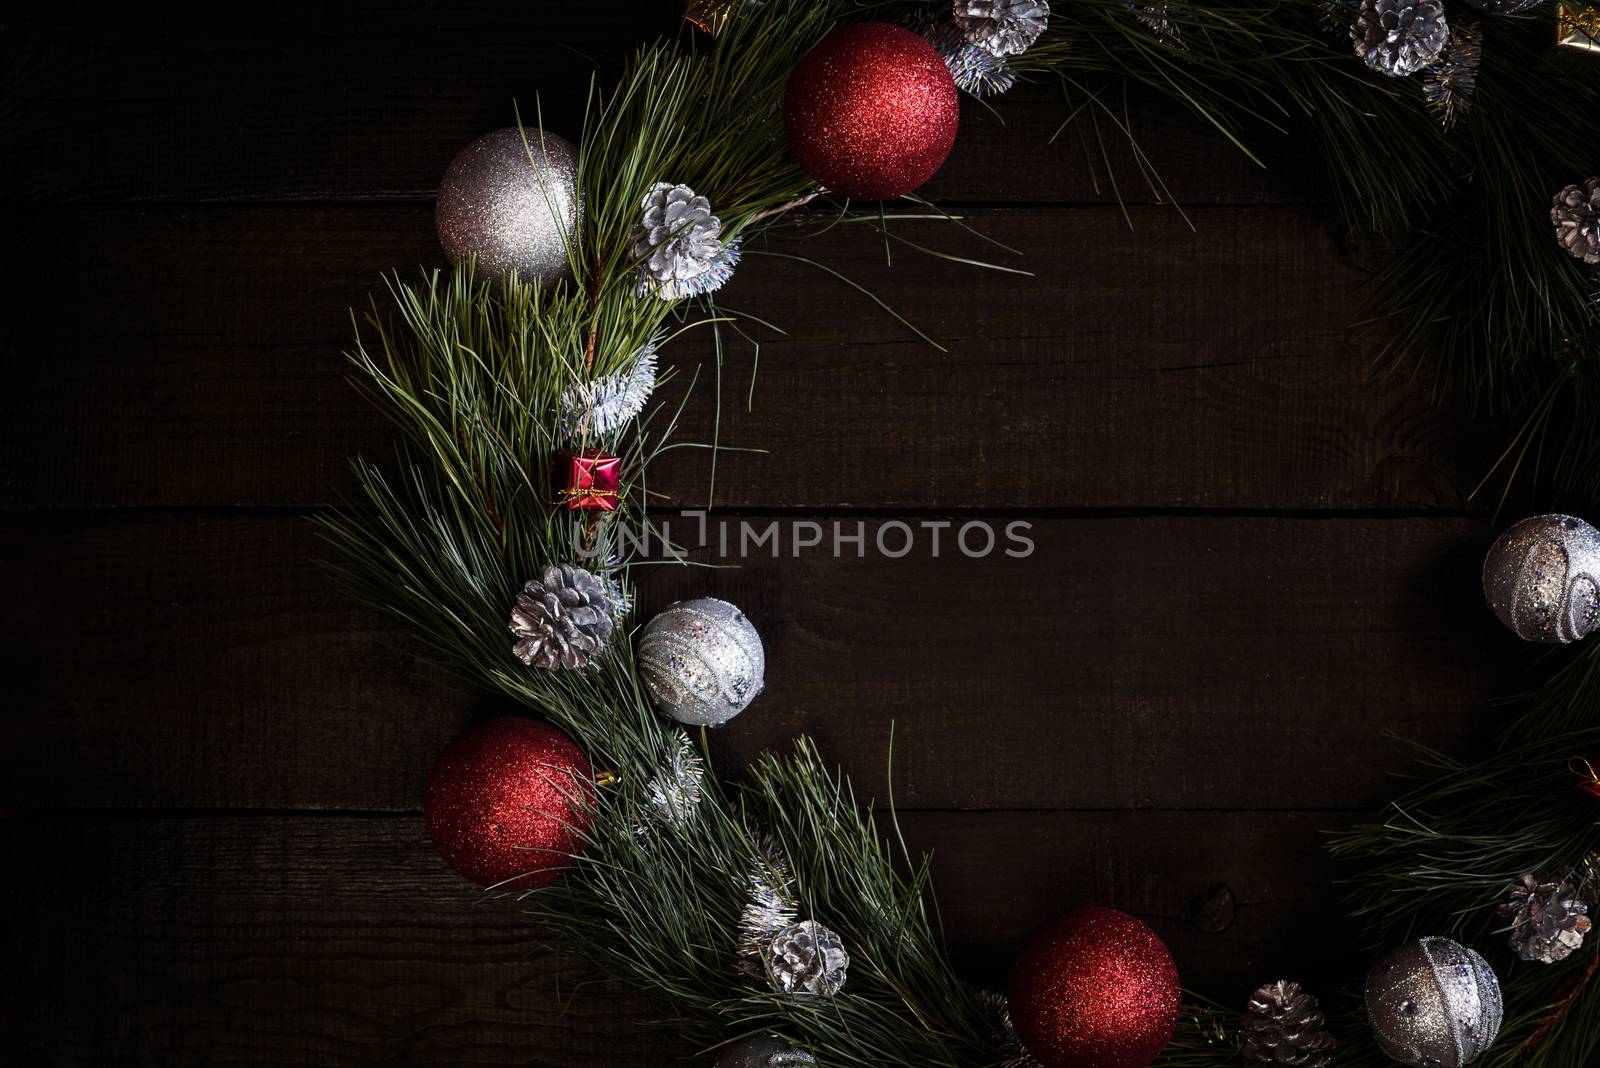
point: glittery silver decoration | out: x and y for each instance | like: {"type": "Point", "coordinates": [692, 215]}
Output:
{"type": "Point", "coordinates": [763, 1052]}
{"type": "Point", "coordinates": [1400, 37]}
{"type": "Point", "coordinates": [675, 790]}
{"type": "Point", "coordinates": [1575, 213]}
{"type": "Point", "coordinates": [702, 661]}
{"type": "Point", "coordinates": [806, 958]}
{"type": "Point", "coordinates": [679, 245]}
{"type": "Point", "coordinates": [562, 619]}
{"type": "Point", "coordinates": [1548, 920]}
{"type": "Point", "coordinates": [1001, 27]}
{"type": "Point", "coordinates": [514, 205]}
{"type": "Point", "coordinates": [1433, 1003]}
{"type": "Point", "coordinates": [976, 72]}
{"type": "Point", "coordinates": [769, 908]}
{"type": "Point", "coordinates": [1450, 83]}
{"type": "Point", "coordinates": [1542, 578]}
{"type": "Point", "coordinates": [1505, 7]}
{"type": "Point", "coordinates": [998, 1009]}
{"type": "Point", "coordinates": [1157, 15]}
{"type": "Point", "coordinates": [607, 403]}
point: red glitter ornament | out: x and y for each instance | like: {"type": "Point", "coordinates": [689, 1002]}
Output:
{"type": "Point", "coordinates": [871, 111]}
{"type": "Point", "coordinates": [1095, 989]}
{"type": "Point", "coordinates": [508, 803]}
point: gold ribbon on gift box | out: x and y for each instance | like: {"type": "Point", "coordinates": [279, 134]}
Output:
{"type": "Point", "coordinates": [1578, 26]}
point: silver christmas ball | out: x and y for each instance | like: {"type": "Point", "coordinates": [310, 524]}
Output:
{"type": "Point", "coordinates": [760, 1052]}
{"type": "Point", "coordinates": [1433, 1003]}
{"type": "Point", "coordinates": [702, 661]}
{"type": "Point", "coordinates": [1542, 578]}
{"type": "Point", "coordinates": [515, 205]}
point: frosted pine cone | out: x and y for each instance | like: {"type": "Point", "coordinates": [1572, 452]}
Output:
{"type": "Point", "coordinates": [1576, 215]}
{"type": "Point", "coordinates": [679, 244]}
{"type": "Point", "coordinates": [1548, 920]}
{"type": "Point", "coordinates": [1001, 27]}
{"type": "Point", "coordinates": [1400, 37]}
{"type": "Point", "coordinates": [561, 619]}
{"type": "Point", "coordinates": [1283, 1026]}
{"type": "Point", "coordinates": [806, 958]}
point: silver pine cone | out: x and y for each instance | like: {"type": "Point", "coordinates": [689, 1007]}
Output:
{"type": "Point", "coordinates": [1548, 920]}
{"type": "Point", "coordinates": [1400, 37]}
{"type": "Point", "coordinates": [1576, 215]}
{"type": "Point", "coordinates": [1001, 27]}
{"type": "Point", "coordinates": [806, 958]}
{"type": "Point", "coordinates": [1283, 1026]}
{"type": "Point", "coordinates": [678, 244]}
{"type": "Point", "coordinates": [561, 619]}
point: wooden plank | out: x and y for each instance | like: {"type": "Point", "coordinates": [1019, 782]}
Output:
{"type": "Point", "coordinates": [196, 363]}
{"type": "Point", "coordinates": [370, 101]}
{"type": "Point", "coordinates": [343, 941]}
{"type": "Point", "coordinates": [1167, 662]}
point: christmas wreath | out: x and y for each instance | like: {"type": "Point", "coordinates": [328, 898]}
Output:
{"type": "Point", "coordinates": [773, 916]}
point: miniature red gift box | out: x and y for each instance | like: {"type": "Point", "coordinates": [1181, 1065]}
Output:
{"type": "Point", "coordinates": [588, 479]}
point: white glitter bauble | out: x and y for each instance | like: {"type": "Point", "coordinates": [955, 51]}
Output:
{"type": "Point", "coordinates": [514, 204]}
{"type": "Point", "coordinates": [1542, 578]}
{"type": "Point", "coordinates": [702, 661]}
{"type": "Point", "coordinates": [1433, 1003]}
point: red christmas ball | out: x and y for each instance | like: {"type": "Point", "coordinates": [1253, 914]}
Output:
{"type": "Point", "coordinates": [508, 803]}
{"type": "Point", "coordinates": [871, 111]}
{"type": "Point", "coordinates": [1095, 989]}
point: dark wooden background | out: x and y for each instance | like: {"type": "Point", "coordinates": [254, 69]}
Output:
{"type": "Point", "coordinates": [1256, 568]}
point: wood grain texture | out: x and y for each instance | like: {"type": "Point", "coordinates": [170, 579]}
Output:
{"type": "Point", "coordinates": [344, 941]}
{"type": "Point", "coordinates": [1166, 662]}
{"type": "Point", "coordinates": [209, 372]}
{"type": "Point", "coordinates": [370, 100]}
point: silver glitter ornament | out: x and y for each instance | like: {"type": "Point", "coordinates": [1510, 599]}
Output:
{"type": "Point", "coordinates": [1400, 37]}
{"type": "Point", "coordinates": [1575, 213]}
{"type": "Point", "coordinates": [1542, 578]}
{"type": "Point", "coordinates": [806, 958]}
{"type": "Point", "coordinates": [1433, 1003]}
{"type": "Point", "coordinates": [1001, 27]}
{"type": "Point", "coordinates": [514, 205]}
{"type": "Point", "coordinates": [763, 1052]}
{"type": "Point", "coordinates": [701, 661]}
{"type": "Point", "coordinates": [562, 619]}
{"type": "Point", "coordinates": [679, 245]}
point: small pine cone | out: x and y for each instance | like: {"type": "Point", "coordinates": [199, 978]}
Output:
{"type": "Point", "coordinates": [1576, 215]}
{"type": "Point", "coordinates": [678, 244]}
{"type": "Point", "coordinates": [561, 619]}
{"type": "Point", "coordinates": [1283, 1026]}
{"type": "Point", "coordinates": [1400, 37]}
{"type": "Point", "coordinates": [1548, 920]}
{"type": "Point", "coordinates": [1001, 27]}
{"type": "Point", "coordinates": [806, 958]}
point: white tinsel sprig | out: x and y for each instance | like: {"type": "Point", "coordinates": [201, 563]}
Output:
{"type": "Point", "coordinates": [769, 908]}
{"type": "Point", "coordinates": [607, 403]}
{"type": "Point", "coordinates": [675, 791]}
